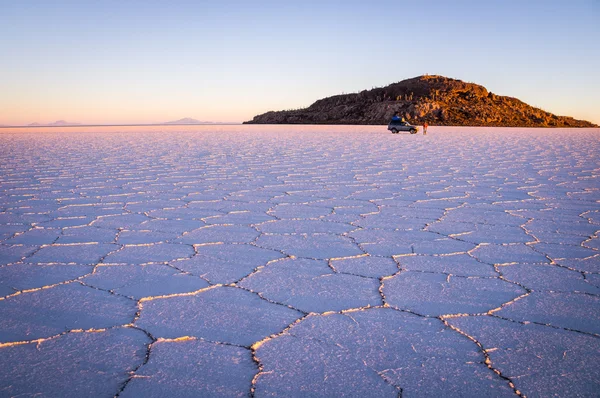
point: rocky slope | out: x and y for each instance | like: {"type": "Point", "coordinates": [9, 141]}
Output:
{"type": "Point", "coordinates": [437, 100]}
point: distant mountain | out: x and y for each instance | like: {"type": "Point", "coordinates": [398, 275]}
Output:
{"type": "Point", "coordinates": [437, 100]}
{"type": "Point", "coordinates": [187, 120]}
{"type": "Point", "coordinates": [56, 123]}
{"type": "Point", "coordinates": [62, 123]}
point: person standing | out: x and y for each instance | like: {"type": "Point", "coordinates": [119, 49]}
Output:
{"type": "Point", "coordinates": [425, 125]}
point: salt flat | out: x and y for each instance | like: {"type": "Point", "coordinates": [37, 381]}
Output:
{"type": "Point", "coordinates": [299, 261]}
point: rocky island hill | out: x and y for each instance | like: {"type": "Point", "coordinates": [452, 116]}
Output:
{"type": "Point", "coordinates": [437, 100]}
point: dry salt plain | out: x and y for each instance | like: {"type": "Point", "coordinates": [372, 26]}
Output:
{"type": "Point", "coordinates": [299, 261]}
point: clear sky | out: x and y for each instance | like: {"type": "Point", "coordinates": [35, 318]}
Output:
{"type": "Point", "coordinates": [149, 61]}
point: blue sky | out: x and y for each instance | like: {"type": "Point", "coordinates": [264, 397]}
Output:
{"type": "Point", "coordinates": [153, 61]}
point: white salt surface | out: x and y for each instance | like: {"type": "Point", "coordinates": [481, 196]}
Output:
{"type": "Point", "coordinates": [299, 261]}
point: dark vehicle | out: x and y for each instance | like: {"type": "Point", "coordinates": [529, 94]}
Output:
{"type": "Point", "coordinates": [396, 126]}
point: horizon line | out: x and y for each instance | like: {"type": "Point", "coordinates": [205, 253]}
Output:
{"type": "Point", "coordinates": [121, 125]}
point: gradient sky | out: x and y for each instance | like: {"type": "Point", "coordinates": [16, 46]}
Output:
{"type": "Point", "coordinates": [152, 61]}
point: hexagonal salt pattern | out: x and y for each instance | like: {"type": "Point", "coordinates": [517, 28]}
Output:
{"type": "Point", "coordinates": [436, 294]}
{"type": "Point", "coordinates": [311, 286]}
{"type": "Point", "coordinates": [539, 360]}
{"type": "Point", "coordinates": [191, 368]}
{"type": "Point", "coordinates": [224, 314]}
{"type": "Point", "coordinates": [299, 261]}
{"type": "Point", "coordinates": [74, 365]}
{"type": "Point", "coordinates": [46, 312]}
{"type": "Point", "coordinates": [332, 355]}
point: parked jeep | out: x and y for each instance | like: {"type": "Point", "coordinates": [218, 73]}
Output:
{"type": "Point", "coordinates": [396, 126]}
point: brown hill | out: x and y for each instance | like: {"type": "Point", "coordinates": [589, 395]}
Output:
{"type": "Point", "coordinates": [437, 100]}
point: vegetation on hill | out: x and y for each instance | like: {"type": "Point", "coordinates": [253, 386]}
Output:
{"type": "Point", "coordinates": [437, 100]}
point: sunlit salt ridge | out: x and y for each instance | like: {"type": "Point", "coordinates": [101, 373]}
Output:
{"type": "Point", "coordinates": [299, 260]}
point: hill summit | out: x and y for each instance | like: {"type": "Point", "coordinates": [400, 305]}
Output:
{"type": "Point", "coordinates": [186, 120]}
{"type": "Point", "coordinates": [437, 100]}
